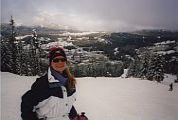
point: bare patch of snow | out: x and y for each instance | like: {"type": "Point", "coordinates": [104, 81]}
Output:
{"type": "Point", "coordinates": [78, 34]}
{"type": "Point", "coordinates": [166, 52]}
{"type": "Point", "coordinates": [22, 37]}
{"type": "Point", "coordinates": [165, 42]}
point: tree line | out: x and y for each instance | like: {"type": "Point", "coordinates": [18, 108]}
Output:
{"type": "Point", "coordinates": [27, 58]}
{"type": "Point", "coordinates": [18, 57]}
{"type": "Point", "coordinates": [147, 65]}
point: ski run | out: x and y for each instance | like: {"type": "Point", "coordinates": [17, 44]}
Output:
{"type": "Point", "coordinates": [103, 98]}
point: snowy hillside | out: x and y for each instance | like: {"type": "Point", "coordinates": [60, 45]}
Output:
{"type": "Point", "coordinates": [103, 98]}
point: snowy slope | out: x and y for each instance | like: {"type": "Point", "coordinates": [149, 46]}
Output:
{"type": "Point", "coordinates": [102, 98]}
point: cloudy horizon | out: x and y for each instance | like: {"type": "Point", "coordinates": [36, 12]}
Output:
{"type": "Point", "coordinates": [93, 15]}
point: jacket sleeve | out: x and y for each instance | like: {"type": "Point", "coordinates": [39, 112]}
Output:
{"type": "Point", "coordinates": [73, 113]}
{"type": "Point", "coordinates": [27, 104]}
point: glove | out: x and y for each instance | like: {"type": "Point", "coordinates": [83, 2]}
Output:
{"type": "Point", "coordinates": [80, 117]}
{"type": "Point", "coordinates": [77, 117]}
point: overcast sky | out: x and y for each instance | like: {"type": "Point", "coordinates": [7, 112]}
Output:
{"type": "Point", "coordinates": [104, 15]}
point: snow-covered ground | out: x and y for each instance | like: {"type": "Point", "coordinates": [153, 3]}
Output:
{"type": "Point", "coordinates": [77, 34]}
{"type": "Point", "coordinates": [103, 98]}
{"type": "Point", "coordinates": [22, 37]}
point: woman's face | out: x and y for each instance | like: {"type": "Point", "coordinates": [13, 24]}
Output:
{"type": "Point", "coordinates": [59, 64]}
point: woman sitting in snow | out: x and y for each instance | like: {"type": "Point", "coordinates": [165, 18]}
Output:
{"type": "Point", "coordinates": [51, 96]}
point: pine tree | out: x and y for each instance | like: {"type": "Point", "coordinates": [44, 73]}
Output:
{"type": "Point", "coordinates": [144, 61]}
{"type": "Point", "coordinates": [34, 55]}
{"type": "Point", "coordinates": [5, 58]}
{"type": "Point", "coordinates": [159, 76]}
{"type": "Point", "coordinates": [13, 47]}
{"type": "Point", "coordinates": [156, 68]}
{"type": "Point", "coordinates": [9, 50]}
{"type": "Point", "coordinates": [24, 63]}
{"type": "Point", "coordinates": [19, 57]}
{"type": "Point", "coordinates": [135, 68]}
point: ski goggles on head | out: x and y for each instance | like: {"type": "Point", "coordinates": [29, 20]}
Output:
{"type": "Point", "coordinates": [56, 60]}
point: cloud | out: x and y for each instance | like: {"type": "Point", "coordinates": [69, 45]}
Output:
{"type": "Point", "coordinates": [61, 20]}
{"type": "Point", "coordinates": [108, 15]}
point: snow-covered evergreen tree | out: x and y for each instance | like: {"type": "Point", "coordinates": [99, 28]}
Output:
{"type": "Point", "coordinates": [135, 68]}
{"type": "Point", "coordinates": [147, 65]}
{"type": "Point", "coordinates": [9, 50]}
{"type": "Point", "coordinates": [156, 68]}
{"type": "Point", "coordinates": [5, 57]}
{"type": "Point", "coordinates": [33, 62]}
{"type": "Point", "coordinates": [144, 61]}
{"type": "Point", "coordinates": [13, 48]}
{"type": "Point", "coordinates": [19, 59]}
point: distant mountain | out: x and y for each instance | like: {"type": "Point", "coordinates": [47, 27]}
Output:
{"type": "Point", "coordinates": [24, 30]}
{"type": "Point", "coordinates": [156, 33]}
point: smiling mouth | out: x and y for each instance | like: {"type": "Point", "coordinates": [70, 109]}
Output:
{"type": "Point", "coordinates": [60, 65]}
